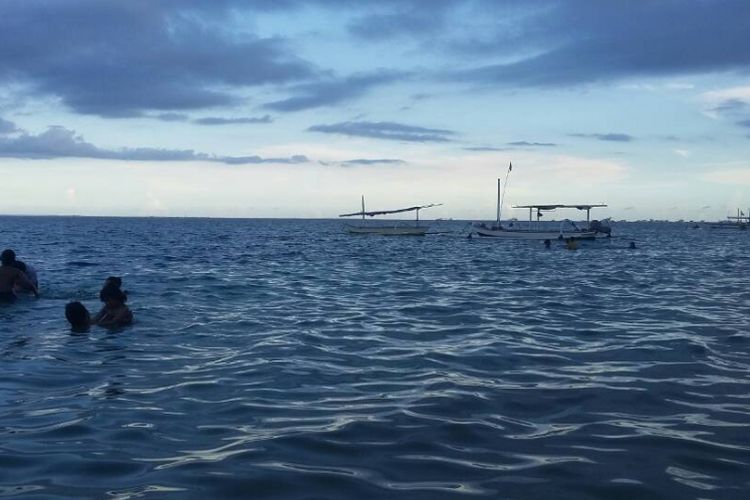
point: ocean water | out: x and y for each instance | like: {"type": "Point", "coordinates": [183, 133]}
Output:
{"type": "Point", "coordinates": [286, 359]}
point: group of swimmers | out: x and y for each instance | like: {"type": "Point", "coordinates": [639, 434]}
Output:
{"type": "Point", "coordinates": [18, 277]}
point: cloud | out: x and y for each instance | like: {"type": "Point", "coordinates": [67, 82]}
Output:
{"type": "Point", "coordinates": [172, 117]}
{"type": "Point", "coordinates": [377, 161]}
{"type": "Point", "coordinates": [213, 120]}
{"type": "Point", "coordinates": [532, 144]}
{"type": "Point", "coordinates": [386, 130]}
{"type": "Point", "coordinates": [333, 91]}
{"type": "Point", "coordinates": [59, 142]}
{"type": "Point", "coordinates": [121, 58]}
{"type": "Point", "coordinates": [7, 127]}
{"type": "Point", "coordinates": [406, 19]}
{"type": "Point", "coordinates": [552, 43]}
{"type": "Point", "coordinates": [481, 149]}
{"type": "Point", "coordinates": [613, 137]}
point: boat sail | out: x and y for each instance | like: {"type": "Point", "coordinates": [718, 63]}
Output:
{"type": "Point", "coordinates": [397, 229]}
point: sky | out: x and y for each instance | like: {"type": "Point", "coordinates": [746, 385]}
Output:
{"type": "Point", "coordinates": [297, 108]}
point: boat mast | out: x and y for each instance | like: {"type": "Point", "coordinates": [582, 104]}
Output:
{"type": "Point", "coordinates": [363, 207]}
{"type": "Point", "coordinates": [498, 200]}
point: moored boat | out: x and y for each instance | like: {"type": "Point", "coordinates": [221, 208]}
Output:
{"type": "Point", "coordinates": [539, 230]}
{"type": "Point", "coordinates": [740, 221]}
{"type": "Point", "coordinates": [398, 228]}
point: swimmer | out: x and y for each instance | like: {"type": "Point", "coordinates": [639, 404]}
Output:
{"type": "Point", "coordinates": [114, 313]}
{"type": "Point", "coordinates": [78, 317]}
{"type": "Point", "coordinates": [547, 243]}
{"type": "Point", "coordinates": [12, 277]}
{"type": "Point", "coordinates": [30, 273]}
{"type": "Point", "coordinates": [632, 245]}
{"type": "Point", "coordinates": [111, 281]}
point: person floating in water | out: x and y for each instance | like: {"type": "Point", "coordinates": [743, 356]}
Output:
{"type": "Point", "coordinates": [114, 313]}
{"type": "Point", "coordinates": [547, 243]}
{"type": "Point", "coordinates": [78, 317]}
{"type": "Point", "coordinates": [12, 278]}
{"type": "Point", "coordinates": [632, 245]}
{"type": "Point", "coordinates": [571, 244]}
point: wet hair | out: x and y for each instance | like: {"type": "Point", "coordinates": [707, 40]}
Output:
{"type": "Point", "coordinates": [77, 314]}
{"type": "Point", "coordinates": [112, 292]}
{"type": "Point", "coordinates": [113, 280]}
{"type": "Point", "coordinates": [8, 257]}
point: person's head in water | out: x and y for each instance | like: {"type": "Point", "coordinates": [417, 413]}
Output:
{"type": "Point", "coordinates": [112, 296]}
{"type": "Point", "coordinates": [547, 243]}
{"type": "Point", "coordinates": [632, 244]}
{"type": "Point", "coordinates": [110, 282]}
{"type": "Point", "coordinates": [115, 281]}
{"type": "Point", "coordinates": [78, 316]}
{"type": "Point", "coordinates": [8, 257]}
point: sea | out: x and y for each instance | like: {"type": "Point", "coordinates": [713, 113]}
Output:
{"type": "Point", "coordinates": [286, 359]}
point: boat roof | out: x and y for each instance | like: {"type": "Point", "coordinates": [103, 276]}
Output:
{"type": "Point", "coordinates": [555, 206]}
{"type": "Point", "coordinates": [396, 211]}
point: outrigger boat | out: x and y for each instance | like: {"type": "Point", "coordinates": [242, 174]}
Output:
{"type": "Point", "coordinates": [537, 231]}
{"type": "Point", "coordinates": [741, 222]}
{"type": "Point", "coordinates": [397, 229]}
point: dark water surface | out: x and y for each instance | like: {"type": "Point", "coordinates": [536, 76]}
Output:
{"type": "Point", "coordinates": [284, 359]}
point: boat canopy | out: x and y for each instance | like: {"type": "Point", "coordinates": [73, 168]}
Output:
{"type": "Point", "coordinates": [553, 207]}
{"type": "Point", "coordinates": [384, 212]}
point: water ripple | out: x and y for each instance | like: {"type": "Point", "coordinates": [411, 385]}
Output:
{"type": "Point", "coordinates": [285, 359]}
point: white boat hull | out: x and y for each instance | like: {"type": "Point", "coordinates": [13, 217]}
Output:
{"type": "Point", "coordinates": [521, 234]}
{"type": "Point", "coordinates": [729, 225]}
{"type": "Point", "coordinates": [388, 230]}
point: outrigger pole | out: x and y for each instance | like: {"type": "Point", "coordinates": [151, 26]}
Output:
{"type": "Point", "coordinates": [499, 198]}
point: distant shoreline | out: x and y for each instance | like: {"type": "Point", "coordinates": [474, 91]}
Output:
{"type": "Point", "coordinates": [618, 221]}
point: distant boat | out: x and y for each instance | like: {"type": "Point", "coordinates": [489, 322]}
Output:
{"type": "Point", "coordinates": [399, 228]}
{"type": "Point", "coordinates": [741, 222]}
{"type": "Point", "coordinates": [537, 230]}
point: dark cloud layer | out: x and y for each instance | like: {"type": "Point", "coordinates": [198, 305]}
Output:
{"type": "Point", "coordinates": [386, 130]}
{"type": "Point", "coordinates": [582, 41]}
{"type": "Point", "coordinates": [124, 58]}
{"type": "Point", "coordinates": [120, 58]}
{"type": "Point", "coordinates": [59, 142]}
